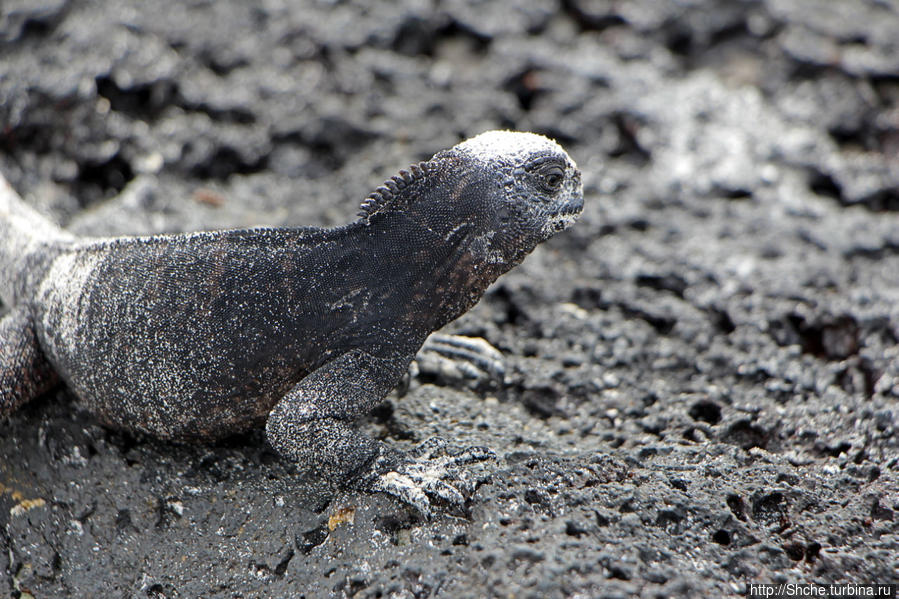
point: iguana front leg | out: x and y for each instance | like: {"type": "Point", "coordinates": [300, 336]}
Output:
{"type": "Point", "coordinates": [25, 372]}
{"type": "Point", "coordinates": [312, 427]}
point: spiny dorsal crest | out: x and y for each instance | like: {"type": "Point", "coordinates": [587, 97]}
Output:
{"type": "Point", "coordinates": [388, 196]}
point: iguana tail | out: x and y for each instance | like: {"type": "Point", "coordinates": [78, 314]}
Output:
{"type": "Point", "coordinates": [24, 236]}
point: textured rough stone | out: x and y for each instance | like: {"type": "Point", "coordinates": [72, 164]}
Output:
{"type": "Point", "coordinates": [738, 249]}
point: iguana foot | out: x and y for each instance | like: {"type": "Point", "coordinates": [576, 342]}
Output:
{"type": "Point", "coordinates": [456, 360]}
{"type": "Point", "coordinates": [429, 472]}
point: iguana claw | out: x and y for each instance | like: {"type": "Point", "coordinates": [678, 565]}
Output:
{"type": "Point", "coordinates": [431, 471]}
{"type": "Point", "coordinates": [456, 360]}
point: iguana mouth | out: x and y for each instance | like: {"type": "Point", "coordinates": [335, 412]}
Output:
{"type": "Point", "coordinates": [565, 216]}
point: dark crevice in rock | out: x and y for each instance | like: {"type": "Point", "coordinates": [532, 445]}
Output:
{"type": "Point", "coordinates": [144, 100]}
{"type": "Point", "coordinates": [746, 435]}
{"type": "Point", "coordinates": [106, 178]}
{"type": "Point", "coordinates": [662, 324]}
{"type": "Point", "coordinates": [706, 411]}
{"type": "Point", "coordinates": [672, 520]}
{"type": "Point", "coordinates": [825, 185]}
{"type": "Point", "coordinates": [417, 36]}
{"type": "Point", "coordinates": [235, 115]}
{"type": "Point", "coordinates": [770, 510]}
{"type": "Point", "coordinates": [226, 161]}
{"type": "Point", "coordinates": [795, 551]}
{"type": "Point", "coordinates": [627, 126]}
{"type": "Point", "coordinates": [332, 140]}
{"type": "Point", "coordinates": [590, 19]}
{"type": "Point", "coordinates": [542, 401]}
{"type": "Point", "coordinates": [859, 377]}
{"type": "Point", "coordinates": [670, 282]}
{"type": "Point", "coordinates": [147, 101]}
{"type": "Point", "coordinates": [737, 506]}
{"type": "Point", "coordinates": [33, 23]}
{"type": "Point", "coordinates": [882, 200]}
{"type": "Point", "coordinates": [511, 304]}
{"type": "Point", "coordinates": [828, 337]}
{"type": "Point", "coordinates": [722, 537]}
{"type": "Point", "coordinates": [310, 539]}
{"type": "Point", "coordinates": [281, 568]}
{"type": "Point", "coordinates": [721, 320]}
{"type": "Point", "coordinates": [218, 64]}
{"type": "Point", "coordinates": [525, 86]}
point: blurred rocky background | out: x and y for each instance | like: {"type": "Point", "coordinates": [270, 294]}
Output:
{"type": "Point", "coordinates": [703, 374]}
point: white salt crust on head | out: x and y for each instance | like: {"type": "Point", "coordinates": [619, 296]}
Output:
{"type": "Point", "coordinates": [509, 146]}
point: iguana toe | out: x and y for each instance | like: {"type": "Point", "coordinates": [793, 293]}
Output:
{"type": "Point", "coordinates": [456, 360]}
{"type": "Point", "coordinates": [429, 472]}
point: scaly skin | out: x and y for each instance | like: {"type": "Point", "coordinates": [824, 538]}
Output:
{"type": "Point", "coordinates": [196, 336]}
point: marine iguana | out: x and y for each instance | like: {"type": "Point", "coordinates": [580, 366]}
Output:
{"type": "Point", "coordinates": [200, 335]}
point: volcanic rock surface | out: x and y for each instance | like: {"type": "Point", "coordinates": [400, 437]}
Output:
{"type": "Point", "coordinates": [702, 375]}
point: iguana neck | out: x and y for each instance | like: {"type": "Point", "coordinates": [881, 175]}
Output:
{"type": "Point", "coordinates": [452, 274]}
{"type": "Point", "coordinates": [440, 213]}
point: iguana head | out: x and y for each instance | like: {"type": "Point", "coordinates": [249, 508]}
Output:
{"type": "Point", "coordinates": [503, 191]}
{"type": "Point", "coordinates": [541, 191]}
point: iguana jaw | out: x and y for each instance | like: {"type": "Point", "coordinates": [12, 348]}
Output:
{"type": "Point", "coordinates": [564, 217]}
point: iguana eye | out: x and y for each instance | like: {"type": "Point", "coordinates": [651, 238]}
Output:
{"type": "Point", "coordinates": [551, 177]}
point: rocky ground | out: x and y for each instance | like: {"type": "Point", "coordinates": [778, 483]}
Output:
{"type": "Point", "coordinates": [703, 374]}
